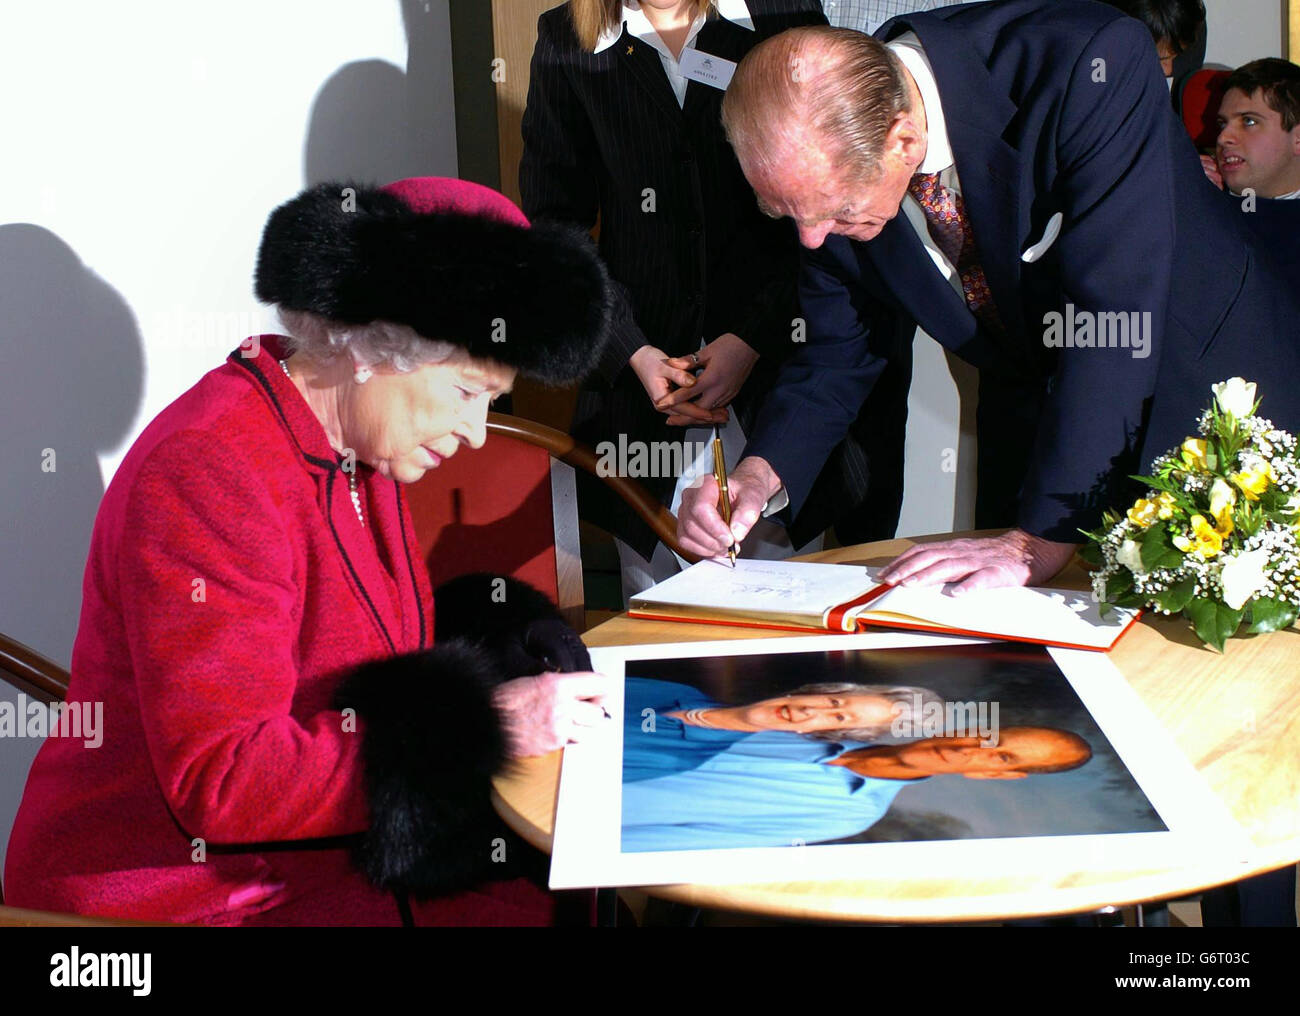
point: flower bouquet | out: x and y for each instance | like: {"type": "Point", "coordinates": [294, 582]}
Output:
{"type": "Point", "coordinates": [1215, 538]}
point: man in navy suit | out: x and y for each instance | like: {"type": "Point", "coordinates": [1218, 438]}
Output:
{"type": "Point", "coordinates": [1009, 176]}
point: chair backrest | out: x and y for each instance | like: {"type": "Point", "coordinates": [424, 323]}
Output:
{"type": "Point", "coordinates": [34, 675]}
{"type": "Point", "coordinates": [30, 672]}
{"type": "Point", "coordinates": [17, 917]}
{"type": "Point", "coordinates": [491, 510]}
{"type": "Point", "coordinates": [1198, 104]}
{"type": "Point", "coordinates": [511, 507]}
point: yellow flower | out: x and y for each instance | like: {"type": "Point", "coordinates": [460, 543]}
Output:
{"type": "Point", "coordinates": [1194, 453]}
{"type": "Point", "coordinates": [1255, 478]}
{"type": "Point", "coordinates": [1207, 541]}
{"type": "Point", "coordinates": [1165, 505]}
{"type": "Point", "coordinates": [1143, 512]}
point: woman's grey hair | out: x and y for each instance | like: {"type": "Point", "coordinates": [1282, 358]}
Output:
{"type": "Point", "coordinates": [378, 342]}
{"type": "Point", "coordinates": [903, 698]}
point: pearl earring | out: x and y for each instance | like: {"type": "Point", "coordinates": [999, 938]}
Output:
{"type": "Point", "coordinates": [362, 375]}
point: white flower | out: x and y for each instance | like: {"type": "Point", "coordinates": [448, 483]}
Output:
{"type": "Point", "coordinates": [1222, 497]}
{"type": "Point", "coordinates": [1130, 556]}
{"type": "Point", "coordinates": [1236, 396]}
{"type": "Point", "coordinates": [1243, 576]}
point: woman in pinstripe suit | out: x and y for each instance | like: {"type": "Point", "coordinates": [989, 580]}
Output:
{"type": "Point", "coordinates": [617, 130]}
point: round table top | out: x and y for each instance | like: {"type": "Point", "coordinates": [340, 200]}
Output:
{"type": "Point", "coordinates": [1236, 716]}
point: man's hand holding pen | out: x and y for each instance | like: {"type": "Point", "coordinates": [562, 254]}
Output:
{"type": "Point", "coordinates": [699, 523]}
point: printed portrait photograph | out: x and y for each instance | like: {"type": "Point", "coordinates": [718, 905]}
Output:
{"type": "Point", "coordinates": [950, 742]}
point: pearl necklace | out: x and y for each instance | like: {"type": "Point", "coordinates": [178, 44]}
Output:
{"type": "Point", "coordinates": [352, 474]}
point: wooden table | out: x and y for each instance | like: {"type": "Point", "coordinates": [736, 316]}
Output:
{"type": "Point", "coordinates": [1236, 716]}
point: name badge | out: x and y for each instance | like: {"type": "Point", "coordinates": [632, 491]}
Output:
{"type": "Point", "coordinates": [706, 69]}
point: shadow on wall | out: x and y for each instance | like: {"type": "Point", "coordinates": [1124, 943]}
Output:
{"type": "Point", "coordinates": [71, 385]}
{"type": "Point", "coordinates": [71, 380]}
{"type": "Point", "coordinates": [357, 126]}
{"type": "Point", "coordinates": [372, 123]}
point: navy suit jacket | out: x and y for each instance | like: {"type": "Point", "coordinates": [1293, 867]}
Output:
{"type": "Point", "coordinates": [1052, 107]}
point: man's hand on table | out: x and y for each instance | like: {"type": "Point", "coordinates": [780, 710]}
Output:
{"type": "Point", "coordinates": [548, 711]}
{"type": "Point", "coordinates": [700, 528]}
{"type": "Point", "coordinates": [1013, 559]}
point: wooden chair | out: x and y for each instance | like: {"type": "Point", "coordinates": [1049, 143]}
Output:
{"type": "Point", "coordinates": [511, 507]}
{"type": "Point", "coordinates": [1199, 96]}
{"type": "Point", "coordinates": [27, 670]}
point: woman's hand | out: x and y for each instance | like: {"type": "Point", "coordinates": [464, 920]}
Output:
{"type": "Point", "coordinates": [726, 363]}
{"type": "Point", "coordinates": [659, 373]}
{"type": "Point", "coordinates": [548, 711]}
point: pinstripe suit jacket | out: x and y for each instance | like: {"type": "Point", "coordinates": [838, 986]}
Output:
{"type": "Point", "coordinates": [691, 255]}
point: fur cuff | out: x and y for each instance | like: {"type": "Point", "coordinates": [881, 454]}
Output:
{"type": "Point", "coordinates": [512, 620]}
{"type": "Point", "coordinates": [485, 607]}
{"type": "Point", "coordinates": [433, 741]}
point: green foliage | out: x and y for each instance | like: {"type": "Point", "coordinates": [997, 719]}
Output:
{"type": "Point", "coordinates": [1267, 614]}
{"type": "Point", "coordinates": [1214, 622]}
{"type": "Point", "coordinates": [1176, 597]}
{"type": "Point", "coordinates": [1157, 550]}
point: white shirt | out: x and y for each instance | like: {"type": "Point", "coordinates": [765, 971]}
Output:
{"type": "Point", "coordinates": [1294, 195]}
{"type": "Point", "coordinates": [638, 25]}
{"type": "Point", "coordinates": [868, 15]}
{"type": "Point", "coordinates": [938, 152]}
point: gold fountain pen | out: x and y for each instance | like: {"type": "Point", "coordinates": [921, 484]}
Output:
{"type": "Point", "coordinates": [724, 498]}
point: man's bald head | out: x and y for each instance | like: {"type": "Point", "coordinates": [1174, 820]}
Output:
{"type": "Point", "coordinates": [832, 89]}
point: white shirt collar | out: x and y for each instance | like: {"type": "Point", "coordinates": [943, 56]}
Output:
{"type": "Point", "coordinates": [938, 152]}
{"type": "Point", "coordinates": [735, 11]}
{"type": "Point", "coordinates": [1293, 196]}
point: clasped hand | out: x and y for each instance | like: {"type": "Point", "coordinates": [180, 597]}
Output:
{"type": "Point", "coordinates": [686, 398]}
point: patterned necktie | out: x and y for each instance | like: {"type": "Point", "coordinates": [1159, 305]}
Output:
{"type": "Point", "coordinates": [945, 214]}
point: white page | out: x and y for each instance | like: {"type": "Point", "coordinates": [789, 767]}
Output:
{"type": "Point", "coordinates": [1052, 615]}
{"type": "Point", "coordinates": [759, 586]}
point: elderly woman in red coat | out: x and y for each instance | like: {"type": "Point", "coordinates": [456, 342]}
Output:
{"type": "Point", "coordinates": [285, 739]}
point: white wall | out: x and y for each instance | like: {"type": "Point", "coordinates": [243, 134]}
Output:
{"type": "Point", "coordinates": [1238, 31]}
{"type": "Point", "coordinates": [144, 144]}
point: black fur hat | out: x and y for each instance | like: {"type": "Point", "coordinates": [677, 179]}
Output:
{"type": "Point", "coordinates": [453, 260]}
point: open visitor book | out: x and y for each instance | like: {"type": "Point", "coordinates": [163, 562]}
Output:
{"type": "Point", "coordinates": [800, 595]}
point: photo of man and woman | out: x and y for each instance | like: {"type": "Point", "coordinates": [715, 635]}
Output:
{"type": "Point", "coordinates": [857, 746]}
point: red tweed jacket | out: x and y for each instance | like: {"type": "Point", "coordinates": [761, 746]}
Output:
{"type": "Point", "coordinates": [230, 588]}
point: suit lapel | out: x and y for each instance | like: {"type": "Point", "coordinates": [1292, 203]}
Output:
{"type": "Point", "coordinates": [977, 113]}
{"type": "Point", "coordinates": [927, 296]}
{"type": "Point", "coordinates": [647, 71]}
